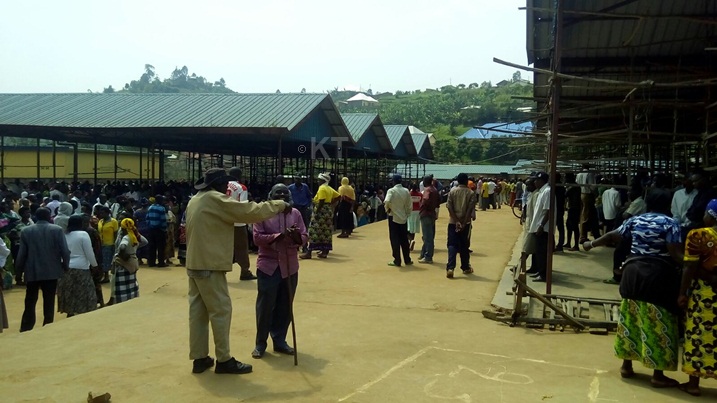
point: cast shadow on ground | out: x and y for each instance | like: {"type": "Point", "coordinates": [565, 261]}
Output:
{"type": "Point", "coordinates": [642, 380]}
{"type": "Point", "coordinates": [563, 280]}
{"type": "Point", "coordinates": [468, 277]}
{"type": "Point", "coordinates": [307, 362]}
{"type": "Point", "coordinates": [571, 255]}
{"type": "Point", "coordinates": [241, 386]}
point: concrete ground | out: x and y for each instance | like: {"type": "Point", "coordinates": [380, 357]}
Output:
{"type": "Point", "coordinates": [366, 332]}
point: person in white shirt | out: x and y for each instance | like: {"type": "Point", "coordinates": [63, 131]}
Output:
{"type": "Point", "coordinates": [539, 226]}
{"type": "Point", "coordinates": [237, 191]}
{"type": "Point", "coordinates": [76, 289]}
{"type": "Point", "coordinates": [102, 201]}
{"type": "Point", "coordinates": [681, 202]}
{"type": "Point", "coordinates": [491, 194]}
{"type": "Point", "coordinates": [611, 208]}
{"type": "Point", "coordinates": [398, 206]}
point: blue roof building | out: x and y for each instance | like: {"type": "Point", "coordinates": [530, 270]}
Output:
{"type": "Point", "coordinates": [503, 130]}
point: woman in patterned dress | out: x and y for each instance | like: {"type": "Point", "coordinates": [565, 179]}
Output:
{"type": "Point", "coordinates": [698, 295]}
{"type": "Point", "coordinates": [125, 268]}
{"type": "Point", "coordinates": [321, 227]}
{"type": "Point", "coordinates": [647, 326]}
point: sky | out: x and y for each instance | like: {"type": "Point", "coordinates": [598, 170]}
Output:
{"type": "Point", "coordinates": [50, 46]}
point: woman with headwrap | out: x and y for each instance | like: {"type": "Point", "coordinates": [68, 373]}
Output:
{"type": "Point", "coordinates": [76, 289]}
{"type": "Point", "coordinates": [698, 295]}
{"type": "Point", "coordinates": [346, 207]}
{"type": "Point", "coordinates": [321, 227]}
{"type": "Point", "coordinates": [63, 215]}
{"type": "Point", "coordinates": [125, 263]}
{"type": "Point", "coordinates": [647, 326]}
{"type": "Point", "coordinates": [277, 268]}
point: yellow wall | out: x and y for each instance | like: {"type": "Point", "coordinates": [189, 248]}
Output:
{"type": "Point", "coordinates": [23, 164]}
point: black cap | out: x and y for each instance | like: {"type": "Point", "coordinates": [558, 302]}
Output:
{"type": "Point", "coordinates": [542, 176]}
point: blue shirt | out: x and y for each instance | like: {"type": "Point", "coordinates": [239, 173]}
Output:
{"type": "Point", "coordinates": [651, 232]}
{"type": "Point", "coordinates": [302, 197]}
{"type": "Point", "coordinates": [157, 217]}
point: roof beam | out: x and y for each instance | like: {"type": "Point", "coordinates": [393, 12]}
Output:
{"type": "Point", "coordinates": [696, 18]}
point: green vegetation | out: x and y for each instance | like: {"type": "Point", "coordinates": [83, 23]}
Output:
{"type": "Point", "coordinates": [179, 81]}
{"type": "Point", "coordinates": [450, 111]}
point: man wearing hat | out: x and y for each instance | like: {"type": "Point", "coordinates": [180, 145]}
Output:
{"type": "Point", "coordinates": [210, 218]}
{"type": "Point", "coordinates": [539, 227]}
{"type": "Point", "coordinates": [237, 191]}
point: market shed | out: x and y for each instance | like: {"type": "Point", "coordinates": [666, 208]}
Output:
{"type": "Point", "coordinates": [270, 127]}
{"type": "Point", "coordinates": [636, 80]}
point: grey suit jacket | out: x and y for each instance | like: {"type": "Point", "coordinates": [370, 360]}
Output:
{"type": "Point", "coordinates": [43, 254]}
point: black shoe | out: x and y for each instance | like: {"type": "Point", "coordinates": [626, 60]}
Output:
{"type": "Point", "coordinates": [202, 365]}
{"type": "Point", "coordinates": [232, 366]}
{"type": "Point", "coordinates": [531, 271]}
{"type": "Point", "coordinates": [247, 276]}
{"type": "Point", "coordinates": [539, 279]}
{"type": "Point", "coordinates": [410, 262]}
{"type": "Point", "coordinates": [288, 350]}
{"type": "Point", "coordinates": [152, 265]}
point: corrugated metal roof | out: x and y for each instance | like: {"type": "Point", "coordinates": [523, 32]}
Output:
{"type": "Point", "coordinates": [418, 141]}
{"type": "Point", "coordinates": [608, 28]}
{"type": "Point", "coordinates": [401, 133]}
{"type": "Point", "coordinates": [395, 132]}
{"type": "Point", "coordinates": [358, 123]}
{"type": "Point", "coordinates": [157, 110]}
{"type": "Point", "coordinates": [368, 124]}
{"type": "Point", "coordinates": [482, 133]}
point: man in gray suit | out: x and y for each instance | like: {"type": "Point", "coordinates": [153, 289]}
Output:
{"type": "Point", "coordinates": [44, 257]}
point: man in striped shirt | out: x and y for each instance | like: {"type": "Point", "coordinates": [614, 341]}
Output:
{"type": "Point", "coordinates": [157, 223]}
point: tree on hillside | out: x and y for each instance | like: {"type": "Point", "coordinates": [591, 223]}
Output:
{"type": "Point", "coordinates": [516, 76]}
{"type": "Point", "coordinates": [179, 81]}
{"type": "Point", "coordinates": [108, 90]}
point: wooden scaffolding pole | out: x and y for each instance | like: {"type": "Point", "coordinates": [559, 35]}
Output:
{"type": "Point", "coordinates": [553, 139]}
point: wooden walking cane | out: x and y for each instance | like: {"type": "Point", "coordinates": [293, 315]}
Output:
{"type": "Point", "coordinates": [290, 290]}
{"type": "Point", "coordinates": [291, 317]}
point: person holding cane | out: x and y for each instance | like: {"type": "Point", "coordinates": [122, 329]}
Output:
{"type": "Point", "coordinates": [279, 239]}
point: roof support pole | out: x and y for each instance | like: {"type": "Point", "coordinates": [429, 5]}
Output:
{"type": "Point", "coordinates": [280, 163]}
{"type": "Point", "coordinates": [153, 152]}
{"type": "Point", "coordinates": [161, 165]}
{"type": "Point", "coordinates": [54, 161]}
{"type": "Point", "coordinates": [95, 169]}
{"type": "Point", "coordinates": [37, 149]}
{"type": "Point", "coordinates": [140, 164]}
{"type": "Point", "coordinates": [2, 158]}
{"type": "Point", "coordinates": [75, 162]}
{"type": "Point", "coordinates": [115, 164]}
{"type": "Point", "coordinates": [553, 138]}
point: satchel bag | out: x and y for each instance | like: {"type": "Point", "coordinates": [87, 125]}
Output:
{"type": "Point", "coordinates": [131, 264]}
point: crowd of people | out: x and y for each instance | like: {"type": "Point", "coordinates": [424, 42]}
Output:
{"type": "Point", "coordinates": [67, 240]}
{"type": "Point", "coordinates": [665, 243]}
